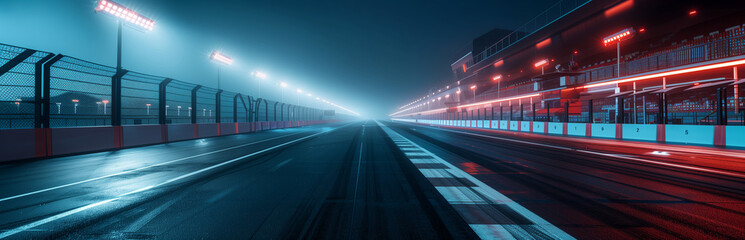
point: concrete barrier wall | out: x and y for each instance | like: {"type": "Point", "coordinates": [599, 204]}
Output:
{"type": "Point", "coordinates": [689, 134]}
{"type": "Point", "coordinates": [514, 125]}
{"type": "Point", "coordinates": [577, 129]}
{"type": "Point", "coordinates": [206, 130]}
{"type": "Point", "coordinates": [227, 128]}
{"type": "Point", "coordinates": [603, 130]}
{"type": "Point", "coordinates": [640, 132]}
{"type": "Point", "coordinates": [735, 136]}
{"type": "Point", "coordinates": [18, 144]}
{"type": "Point", "coordinates": [526, 126]}
{"type": "Point", "coordinates": [139, 135]}
{"type": "Point", "coordinates": [728, 136]}
{"type": "Point", "coordinates": [244, 127]}
{"type": "Point", "coordinates": [556, 128]}
{"type": "Point", "coordinates": [179, 132]}
{"type": "Point", "coordinates": [82, 139]}
{"type": "Point", "coordinates": [539, 127]}
{"type": "Point", "coordinates": [30, 143]}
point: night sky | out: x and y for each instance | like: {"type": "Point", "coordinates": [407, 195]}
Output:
{"type": "Point", "coordinates": [370, 56]}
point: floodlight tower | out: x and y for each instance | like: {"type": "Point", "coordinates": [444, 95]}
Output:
{"type": "Point", "coordinates": [617, 37]}
{"type": "Point", "coordinates": [542, 63]}
{"type": "Point", "coordinates": [123, 14]}
{"type": "Point", "coordinates": [220, 58]}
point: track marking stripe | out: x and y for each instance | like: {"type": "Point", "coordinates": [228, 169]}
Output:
{"type": "Point", "coordinates": [543, 229]}
{"type": "Point", "coordinates": [92, 205]}
{"type": "Point", "coordinates": [137, 169]}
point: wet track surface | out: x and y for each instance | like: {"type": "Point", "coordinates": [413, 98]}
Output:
{"type": "Point", "coordinates": [360, 180]}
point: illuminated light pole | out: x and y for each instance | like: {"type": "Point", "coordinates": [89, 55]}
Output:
{"type": "Point", "coordinates": [542, 64]}
{"type": "Point", "coordinates": [210, 112]}
{"type": "Point", "coordinates": [473, 88]}
{"type": "Point", "coordinates": [98, 107]}
{"type": "Point", "coordinates": [204, 112]}
{"type": "Point", "coordinates": [260, 76]}
{"type": "Point", "coordinates": [18, 104]}
{"type": "Point", "coordinates": [167, 106]}
{"type": "Point", "coordinates": [498, 78]}
{"type": "Point", "coordinates": [59, 107]}
{"type": "Point", "coordinates": [283, 85]}
{"type": "Point", "coordinates": [189, 111]}
{"type": "Point", "coordinates": [123, 14]}
{"type": "Point", "coordinates": [75, 102]}
{"type": "Point", "coordinates": [178, 110]}
{"type": "Point", "coordinates": [104, 105]}
{"type": "Point", "coordinates": [617, 37]}
{"type": "Point", "coordinates": [221, 58]}
{"type": "Point", "coordinates": [148, 108]}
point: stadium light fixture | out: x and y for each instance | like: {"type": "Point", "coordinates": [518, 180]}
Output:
{"type": "Point", "coordinates": [221, 58]}
{"type": "Point", "coordinates": [260, 76]}
{"type": "Point", "coordinates": [497, 78]}
{"type": "Point", "coordinates": [123, 14]}
{"type": "Point", "coordinates": [617, 38]}
{"type": "Point", "coordinates": [473, 88]}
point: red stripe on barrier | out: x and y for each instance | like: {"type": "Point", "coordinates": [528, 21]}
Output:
{"type": "Point", "coordinates": [565, 129]}
{"type": "Point", "coordinates": [531, 126]}
{"type": "Point", "coordinates": [588, 130]}
{"type": "Point", "coordinates": [545, 127]}
{"type": "Point", "coordinates": [660, 133]}
{"type": "Point", "coordinates": [218, 129]}
{"type": "Point", "coordinates": [118, 137]}
{"type": "Point", "coordinates": [619, 131]}
{"type": "Point", "coordinates": [196, 130]}
{"type": "Point", "coordinates": [40, 142]}
{"type": "Point", "coordinates": [236, 128]}
{"type": "Point", "coordinates": [720, 135]}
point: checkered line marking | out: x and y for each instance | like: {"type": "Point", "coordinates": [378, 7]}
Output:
{"type": "Point", "coordinates": [489, 213]}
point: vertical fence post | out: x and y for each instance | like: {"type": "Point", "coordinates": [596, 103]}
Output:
{"type": "Point", "coordinates": [266, 110]}
{"type": "Point", "coordinates": [245, 107]}
{"type": "Point", "coordinates": [235, 106]}
{"type": "Point", "coordinates": [217, 106]}
{"type": "Point", "coordinates": [566, 111]}
{"type": "Point", "coordinates": [116, 97]}
{"type": "Point", "coordinates": [39, 106]}
{"type": "Point", "coordinates": [193, 104]}
{"type": "Point", "coordinates": [522, 111]}
{"type": "Point", "coordinates": [47, 79]}
{"type": "Point", "coordinates": [162, 100]}
{"type": "Point", "coordinates": [589, 111]}
{"type": "Point", "coordinates": [251, 113]}
{"type": "Point", "coordinates": [533, 109]}
{"type": "Point", "coordinates": [721, 106]}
